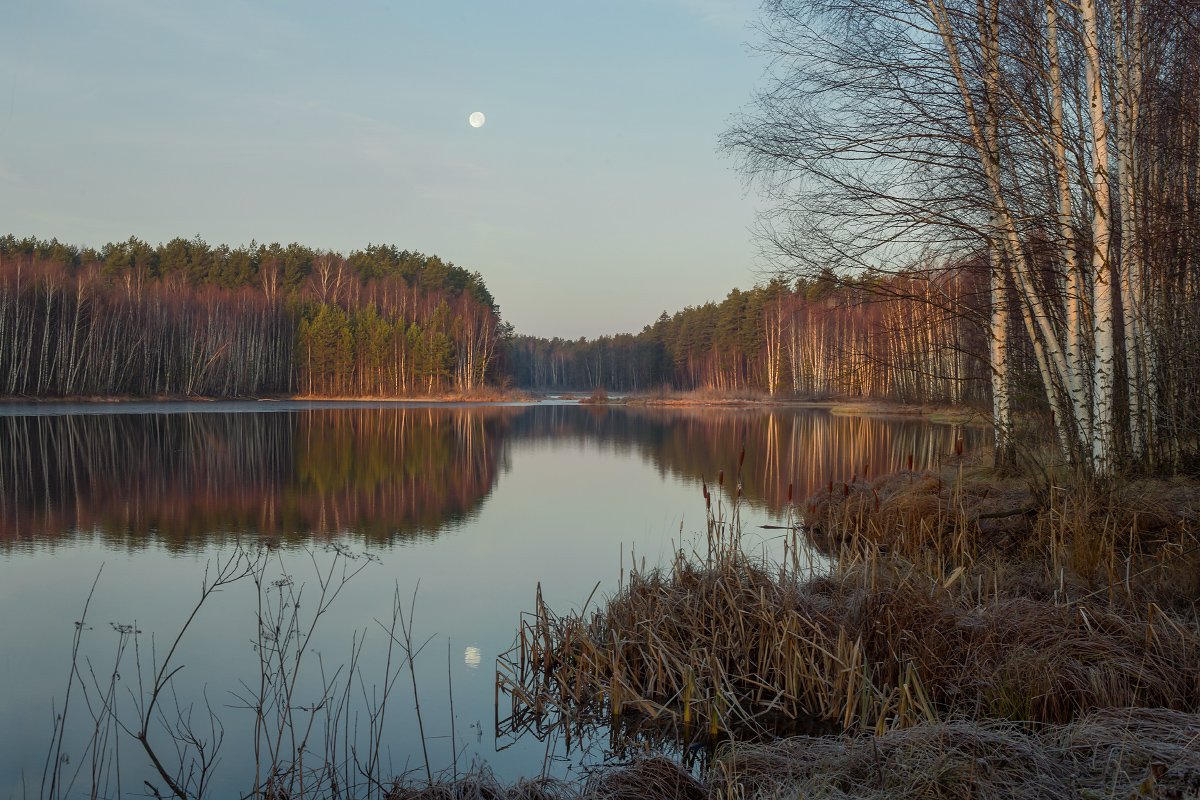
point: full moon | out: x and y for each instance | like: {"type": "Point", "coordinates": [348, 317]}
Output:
{"type": "Point", "coordinates": [477, 119]}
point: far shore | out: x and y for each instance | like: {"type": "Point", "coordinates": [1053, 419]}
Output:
{"type": "Point", "coordinates": [483, 398]}
{"type": "Point", "coordinates": [962, 415]}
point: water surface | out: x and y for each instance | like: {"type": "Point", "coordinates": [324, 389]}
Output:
{"type": "Point", "coordinates": [467, 508]}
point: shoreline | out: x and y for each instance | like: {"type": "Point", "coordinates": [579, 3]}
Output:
{"type": "Point", "coordinates": [961, 415]}
{"type": "Point", "coordinates": [505, 398]}
{"type": "Point", "coordinates": [964, 415]}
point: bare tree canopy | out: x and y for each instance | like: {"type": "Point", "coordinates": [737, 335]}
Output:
{"type": "Point", "coordinates": [1058, 141]}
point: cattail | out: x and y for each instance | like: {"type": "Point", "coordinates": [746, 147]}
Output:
{"type": "Point", "coordinates": [789, 493]}
{"type": "Point", "coordinates": [742, 457]}
{"type": "Point", "coordinates": [958, 447]}
{"type": "Point", "coordinates": [845, 490]}
{"type": "Point", "coordinates": [721, 478]}
{"type": "Point", "coordinates": [910, 460]}
{"type": "Point", "coordinates": [866, 472]}
{"type": "Point", "coordinates": [831, 486]}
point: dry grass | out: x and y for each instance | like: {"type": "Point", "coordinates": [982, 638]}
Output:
{"type": "Point", "coordinates": [1120, 753]}
{"type": "Point", "coordinates": [930, 615]}
{"type": "Point", "coordinates": [976, 638]}
{"type": "Point", "coordinates": [725, 646]}
{"type": "Point", "coordinates": [649, 777]}
{"type": "Point", "coordinates": [1133, 541]}
{"type": "Point", "coordinates": [1112, 754]}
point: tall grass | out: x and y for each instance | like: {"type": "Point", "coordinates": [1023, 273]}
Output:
{"type": "Point", "coordinates": [950, 597]}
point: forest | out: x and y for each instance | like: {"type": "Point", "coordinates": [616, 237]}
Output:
{"type": "Point", "coordinates": [187, 318]}
{"type": "Point", "coordinates": [1057, 144]}
{"type": "Point", "coordinates": [913, 338]}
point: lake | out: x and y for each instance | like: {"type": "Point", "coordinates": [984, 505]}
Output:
{"type": "Point", "coordinates": [461, 512]}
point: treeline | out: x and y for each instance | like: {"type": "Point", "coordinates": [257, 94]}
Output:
{"type": "Point", "coordinates": [187, 318]}
{"type": "Point", "coordinates": [916, 338]}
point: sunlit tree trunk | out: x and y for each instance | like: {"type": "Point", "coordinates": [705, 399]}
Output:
{"type": "Point", "coordinates": [1103, 445]}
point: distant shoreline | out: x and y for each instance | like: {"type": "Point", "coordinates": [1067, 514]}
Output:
{"type": "Point", "coordinates": [845, 407]}
{"type": "Point", "coordinates": [964, 415]}
{"type": "Point", "coordinates": [480, 399]}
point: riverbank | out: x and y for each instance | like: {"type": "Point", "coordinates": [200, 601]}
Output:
{"type": "Point", "coordinates": [1112, 754]}
{"type": "Point", "coordinates": [972, 636]}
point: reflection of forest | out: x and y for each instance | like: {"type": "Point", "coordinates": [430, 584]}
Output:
{"type": "Point", "coordinates": [803, 447]}
{"type": "Point", "coordinates": [183, 478]}
{"type": "Point", "coordinates": [395, 472]}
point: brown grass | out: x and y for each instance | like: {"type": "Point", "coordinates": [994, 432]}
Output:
{"type": "Point", "coordinates": [976, 638]}
{"type": "Point", "coordinates": [1110, 754]}
{"type": "Point", "coordinates": [930, 615]}
{"type": "Point", "coordinates": [1119, 753]}
{"type": "Point", "coordinates": [1132, 541]}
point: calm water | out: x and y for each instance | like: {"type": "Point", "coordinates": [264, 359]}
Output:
{"type": "Point", "coordinates": [470, 508]}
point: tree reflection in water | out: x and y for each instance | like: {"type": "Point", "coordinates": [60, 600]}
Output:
{"type": "Point", "coordinates": [381, 474]}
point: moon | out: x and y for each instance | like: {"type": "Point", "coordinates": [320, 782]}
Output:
{"type": "Point", "coordinates": [477, 119]}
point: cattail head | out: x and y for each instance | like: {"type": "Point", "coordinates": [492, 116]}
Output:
{"type": "Point", "coordinates": [789, 493]}
{"type": "Point", "coordinates": [742, 457]}
{"type": "Point", "coordinates": [721, 478]}
{"type": "Point", "coordinates": [910, 460]}
{"type": "Point", "coordinates": [845, 490]}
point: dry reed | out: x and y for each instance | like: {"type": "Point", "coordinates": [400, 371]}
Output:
{"type": "Point", "coordinates": [720, 645]}
{"type": "Point", "coordinates": [1123, 753]}
{"type": "Point", "coordinates": [1119, 753]}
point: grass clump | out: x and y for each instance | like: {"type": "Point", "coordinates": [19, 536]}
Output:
{"type": "Point", "coordinates": [1119, 753]}
{"type": "Point", "coordinates": [1124, 753]}
{"type": "Point", "coordinates": [941, 608]}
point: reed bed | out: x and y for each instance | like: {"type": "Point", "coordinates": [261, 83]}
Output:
{"type": "Point", "coordinates": [720, 645]}
{"type": "Point", "coordinates": [1135, 541]}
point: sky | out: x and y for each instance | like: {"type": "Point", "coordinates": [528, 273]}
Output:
{"type": "Point", "coordinates": [594, 197]}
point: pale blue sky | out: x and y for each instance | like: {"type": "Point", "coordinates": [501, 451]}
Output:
{"type": "Point", "coordinates": [592, 199]}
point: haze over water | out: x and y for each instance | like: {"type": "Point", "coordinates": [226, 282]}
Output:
{"type": "Point", "coordinates": [470, 508]}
